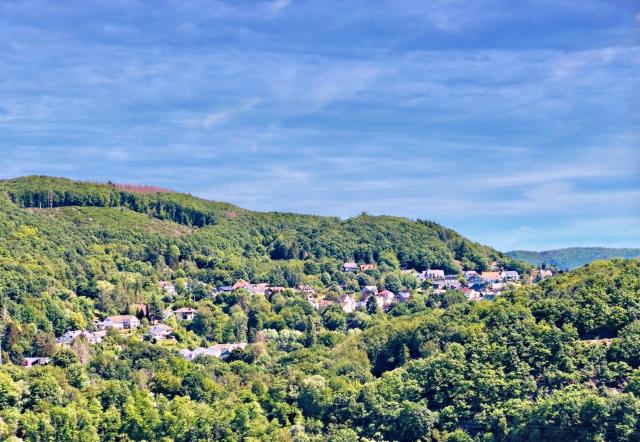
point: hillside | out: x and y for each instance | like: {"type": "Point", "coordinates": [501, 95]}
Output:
{"type": "Point", "coordinates": [249, 242]}
{"type": "Point", "coordinates": [557, 360]}
{"type": "Point", "coordinates": [573, 257]}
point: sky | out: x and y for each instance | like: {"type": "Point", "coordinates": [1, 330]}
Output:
{"type": "Point", "coordinates": [517, 126]}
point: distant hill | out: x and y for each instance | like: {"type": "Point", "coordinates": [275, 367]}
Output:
{"type": "Point", "coordinates": [572, 257]}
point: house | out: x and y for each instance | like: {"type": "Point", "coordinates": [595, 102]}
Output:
{"type": "Point", "coordinates": [30, 362]}
{"type": "Point", "coordinates": [274, 290]}
{"type": "Point", "coordinates": [349, 267]}
{"type": "Point", "coordinates": [220, 351]}
{"type": "Point", "coordinates": [435, 274]}
{"type": "Point", "coordinates": [92, 337]}
{"type": "Point", "coordinates": [471, 294]}
{"type": "Point", "coordinates": [510, 275]}
{"type": "Point", "coordinates": [347, 303]}
{"type": "Point", "coordinates": [241, 284]}
{"type": "Point", "coordinates": [167, 287]}
{"type": "Point", "coordinates": [470, 274]}
{"type": "Point", "coordinates": [490, 276]}
{"type": "Point", "coordinates": [403, 296]}
{"type": "Point", "coordinates": [307, 289]}
{"type": "Point", "coordinates": [224, 289]}
{"type": "Point", "coordinates": [452, 284]}
{"type": "Point", "coordinates": [385, 298]}
{"type": "Point", "coordinates": [325, 303]}
{"type": "Point", "coordinates": [445, 284]}
{"type": "Point", "coordinates": [119, 322]}
{"type": "Point", "coordinates": [186, 313]}
{"type": "Point", "coordinates": [160, 331]}
{"type": "Point", "coordinates": [540, 274]}
{"type": "Point", "coordinates": [472, 277]}
{"type": "Point", "coordinates": [368, 290]}
{"type": "Point", "coordinates": [68, 337]}
{"type": "Point", "coordinates": [259, 289]}
{"type": "Point", "coordinates": [311, 300]}
{"type": "Point", "coordinates": [365, 267]}
{"type": "Point", "coordinates": [139, 309]}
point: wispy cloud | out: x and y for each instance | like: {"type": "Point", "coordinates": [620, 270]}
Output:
{"type": "Point", "coordinates": [278, 5]}
{"type": "Point", "coordinates": [477, 114]}
{"type": "Point", "coordinates": [224, 115]}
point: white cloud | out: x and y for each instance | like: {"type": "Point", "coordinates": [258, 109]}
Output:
{"type": "Point", "coordinates": [278, 5]}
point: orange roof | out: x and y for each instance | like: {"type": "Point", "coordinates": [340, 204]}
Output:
{"type": "Point", "coordinates": [490, 275]}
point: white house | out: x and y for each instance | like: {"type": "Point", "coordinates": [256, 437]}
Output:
{"type": "Point", "coordinates": [349, 267]}
{"type": "Point", "coordinates": [347, 303]}
{"type": "Point", "coordinates": [30, 362]}
{"type": "Point", "coordinates": [186, 313]}
{"type": "Point", "coordinates": [509, 275]}
{"type": "Point", "coordinates": [219, 351]}
{"type": "Point", "coordinates": [435, 274]}
{"type": "Point", "coordinates": [119, 322]}
{"type": "Point", "coordinates": [385, 298]}
{"type": "Point", "coordinates": [92, 337]}
{"type": "Point", "coordinates": [160, 331]}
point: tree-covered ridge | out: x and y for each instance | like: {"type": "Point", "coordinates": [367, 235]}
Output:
{"type": "Point", "coordinates": [282, 236]}
{"type": "Point", "coordinates": [42, 192]}
{"type": "Point", "coordinates": [572, 257]}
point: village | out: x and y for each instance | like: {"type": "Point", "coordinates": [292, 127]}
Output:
{"type": "Point", "coordinates": [475, 286]}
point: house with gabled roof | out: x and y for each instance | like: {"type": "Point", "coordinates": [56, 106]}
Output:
{"type": "Point", "coordinates": [490, 276]}
{"type": "Point", "coordinates": [349, 267]}
{"type": "Point", "coordinates": [347, 303]}
{"type": "Point", "coordinates": [119, 322]}
{"type": "Point", "coordinates": [510, 275]}
{"type": "Point", "coordinates": [324, 303]}
{"type": "Point", "coordinates": [368, 290]}
{"type": "Point", "coordinates": [385, 298]}
{"type": "Point", "coordinates": [160, 331]}
{"type": "Point", "coordinates": [240, 284]}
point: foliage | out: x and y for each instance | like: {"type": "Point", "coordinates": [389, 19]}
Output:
{"type": "Point", "coordinates": [559, 360]}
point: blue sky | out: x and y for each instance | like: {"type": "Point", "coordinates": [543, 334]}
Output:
{"type": "Point", "coordinates": [517, 126]}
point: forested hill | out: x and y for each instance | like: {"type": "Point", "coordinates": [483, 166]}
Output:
{"type": "Point", "coordinates": [557, 360]}
{"type": "Point", "coordinates": [249, 239]}
{"type": "Point", "coordinates": [573, 257]}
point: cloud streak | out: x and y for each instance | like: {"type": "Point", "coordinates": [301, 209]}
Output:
{"type": "Point", "coordinates": [475, 114]}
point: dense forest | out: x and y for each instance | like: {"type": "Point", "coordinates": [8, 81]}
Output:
{"type": "Point", "coordinates": [572, 257]}
{"type": "Point", "coordinates": [556, 360]}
